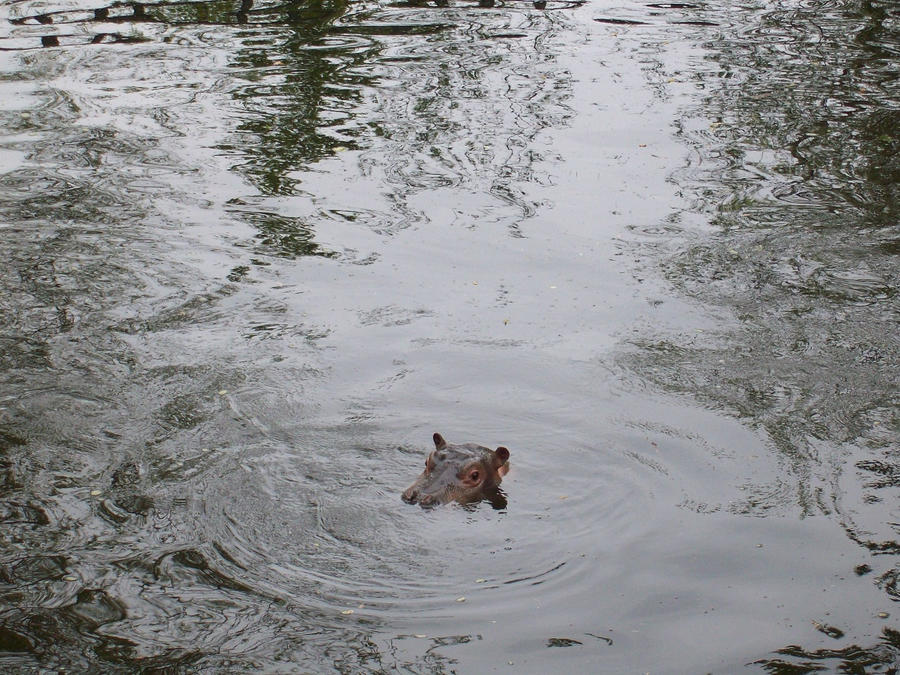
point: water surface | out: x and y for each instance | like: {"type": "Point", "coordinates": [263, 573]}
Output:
{"type": "Point", "coordinates": [257, 253]}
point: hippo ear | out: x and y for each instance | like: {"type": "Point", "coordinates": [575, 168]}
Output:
{"type": "Point", "coordinates": [502, 454]}
{"type": "Point", "coordinates": [439, 441]}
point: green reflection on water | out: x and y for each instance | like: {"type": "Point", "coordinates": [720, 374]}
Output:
{"type": "Point", "coordinates": [797, 131]}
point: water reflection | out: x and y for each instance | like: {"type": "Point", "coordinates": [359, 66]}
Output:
{"type": "Point", "coordinates": [880, 657]}
{"type": "Point", "coordinates": [338, 86]}
{"type": "Point", "coordinates": [251, 252]}
{"type": "Point", "coordinates": [167, 501]}
{"type": "Point", "coordinates": [796, 168]}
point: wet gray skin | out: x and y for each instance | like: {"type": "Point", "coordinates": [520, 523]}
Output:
{"type": "Point", "coordinates": [463, 473]}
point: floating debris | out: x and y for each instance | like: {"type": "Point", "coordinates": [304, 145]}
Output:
{"type": "Point", "coordinates": [607, 640]}
{"type": "Point", "coordinates": [830, 631]}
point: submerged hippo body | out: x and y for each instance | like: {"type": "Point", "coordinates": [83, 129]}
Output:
{"type": "Point", "coordinates": [463, 473]}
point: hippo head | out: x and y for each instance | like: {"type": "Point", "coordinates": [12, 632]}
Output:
{"type": "Point", "coordinates": [463, 473]}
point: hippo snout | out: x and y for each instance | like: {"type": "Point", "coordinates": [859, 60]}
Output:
{"type": "Point", "coordinates": [412, 495]}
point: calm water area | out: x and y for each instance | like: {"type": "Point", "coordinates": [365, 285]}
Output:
{"type": "Point", "coordinates": [255, 253]}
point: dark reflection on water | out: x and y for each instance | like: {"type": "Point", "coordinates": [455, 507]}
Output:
{"type": "Point", "coordinates": [879, 658]}
{"type": "Point", "coordinates": [156, 514]}
{"type": "Point", "coordinates": [256, 253]}
{"type": "Point", "coordinates": [796, 167]}
{"type": "Point", "coordinates": [300, 95]}
{"type": "Point", "coordinates": [798, 162]}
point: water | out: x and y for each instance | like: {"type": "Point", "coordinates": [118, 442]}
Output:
{"type": "Point", "coordinates": [256, 254]}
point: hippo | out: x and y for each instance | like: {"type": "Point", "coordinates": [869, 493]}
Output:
{"type": "Point", "coordinates": [464, 473]}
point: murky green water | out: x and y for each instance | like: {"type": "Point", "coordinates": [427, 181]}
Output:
{"type": "Point", "coordinates": [257, 253]}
